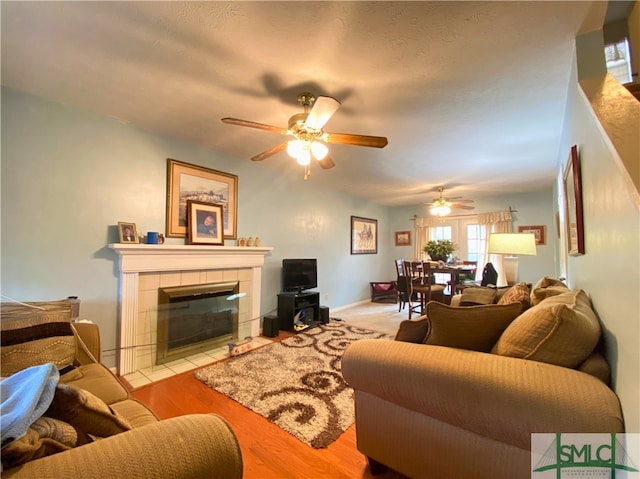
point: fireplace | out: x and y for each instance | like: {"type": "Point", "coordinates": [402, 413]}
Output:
{"type": "Point", "coordinates": [196, 318]}
{"type": "Point", "coordinates": [143, 269]}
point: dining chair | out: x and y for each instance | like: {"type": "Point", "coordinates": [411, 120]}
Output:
{"type": "Point", "coordinates": [406, 293]}
{"type": "Point", "coordinates": [469, 277]}
{"type": "Point", "coordinates": [423, 283]}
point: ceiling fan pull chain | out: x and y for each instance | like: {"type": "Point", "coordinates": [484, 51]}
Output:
{"type": "Point", "coordinates": [307, 171]}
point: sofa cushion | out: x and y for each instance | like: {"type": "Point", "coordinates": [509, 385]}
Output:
{"type": "Point", "coordinates": [30, 342]}
{"type": "Point", "coordinates": [545, 288]}
{"type": "Point", "coordinates": [85, 412]}
{"type": "Point", "coordinates": [473, 327]}
{"type": "Point", "coordinates": [476, 296]}
{"type": "Point", "coordinates": [98, 380]}
{"type": "Point", "coordinates": [562, 330]}
{"type": "Point", "coordinates": [518, 293]}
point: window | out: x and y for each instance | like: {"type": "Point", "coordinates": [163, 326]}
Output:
{"type": "Point", "coordinates": [618, 64]}
{"type": "Point", "coordinates": [440, 233]}
{"type": "Point", "coordinates": [476, 241]}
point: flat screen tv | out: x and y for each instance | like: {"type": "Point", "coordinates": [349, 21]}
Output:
{"type": "Point", "coordinates": [299, 274]}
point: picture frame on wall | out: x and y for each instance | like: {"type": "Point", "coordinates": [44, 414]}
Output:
{"type": "Point", "coordinates": [204, 223]}
{"type": "Point", "coordinates": [573, 204]}
{"type": "Point", "coordinates": [403, 238]}
{"type": "Point", "coordinates": [128, 232]}
{"type": "Point", "coordinates": [539, 231]}
{"type": "Point", "coordinates": [187, 182]}
{"type": "Point", "coordinates": [364, 235]}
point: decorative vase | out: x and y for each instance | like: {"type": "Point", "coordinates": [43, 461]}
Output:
{"type": "Point", "coordinates": [250, 241]}
{"type": "Point", "coordinates": [258, 241]}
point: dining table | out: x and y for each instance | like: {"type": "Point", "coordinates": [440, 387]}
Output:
{"type": "Point", "coordinates": [454, 271]}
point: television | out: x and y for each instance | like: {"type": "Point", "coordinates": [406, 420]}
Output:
{"type": "Point", "coordinates": [299, 274]}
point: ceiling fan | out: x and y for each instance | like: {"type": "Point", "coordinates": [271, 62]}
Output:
{"type": "Point", "coordinates": [309, 137]}
{"type": "Point", "coordinates": [442, 206]}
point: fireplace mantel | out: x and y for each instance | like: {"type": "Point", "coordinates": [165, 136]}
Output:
{"type": "Point", "coordinates": [134, 259]}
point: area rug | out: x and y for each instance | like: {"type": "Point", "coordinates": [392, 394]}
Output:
{"type": "Point", "coordinates": [295, 383]}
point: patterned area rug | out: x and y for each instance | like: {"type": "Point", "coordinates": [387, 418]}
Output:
{"type": "Point", "coordinates": [296, 383]}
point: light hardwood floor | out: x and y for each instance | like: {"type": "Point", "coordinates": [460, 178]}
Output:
{"type": "Point", "coordinates": [268, 451]}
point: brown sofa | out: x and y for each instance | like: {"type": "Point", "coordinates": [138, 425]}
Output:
{"type": "Point", "coordinates": [198, 445]}
{"type": "Point", "coordinates": [460, 391]}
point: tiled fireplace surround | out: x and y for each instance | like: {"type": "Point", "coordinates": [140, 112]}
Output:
{"type": "Point", "coordinates": [145, 268]}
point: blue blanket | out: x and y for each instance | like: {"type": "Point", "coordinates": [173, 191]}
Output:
{"type": "Point", "coordinates": [25, 396]}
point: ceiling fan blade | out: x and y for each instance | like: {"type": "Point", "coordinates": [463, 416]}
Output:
{"type": "Point", "coordinates": [268, 153]}
{"type": "Point", "coordinates": [326, 163]}
{"type": "Point", "coordinates": [358, 140]}
{"type": "Point", "coordinates": [463, 207]}
{"type": "Point", "coordinates": [323, 108]}
{"type": "Point", "coordinates": [253, 124]}
{"type": "Point", "coordinates": [463, 201]}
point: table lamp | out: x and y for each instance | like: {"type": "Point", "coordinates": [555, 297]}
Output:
{"type": "Point", "coordinates": [512, 245]}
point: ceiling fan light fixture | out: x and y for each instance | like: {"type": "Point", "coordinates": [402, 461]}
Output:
{"type": "Point", "coordinates": [294, 148]}
{"type": "Point", "coordinates": [440, 210]}
{"type": "Point", "coordinates": [319, 150]}
{"type": "Point", "coordinates": [304, 157]}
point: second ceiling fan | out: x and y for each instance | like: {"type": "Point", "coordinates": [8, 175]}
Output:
{"type": "Point", "coordinates": [309, 137]}
{"type": "Point", "coordinates": [442, 206]}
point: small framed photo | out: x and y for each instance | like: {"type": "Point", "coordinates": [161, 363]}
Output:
{"type": "Point", "coordinates": [539, 231]}
{"type": "Point", "coordinates": [364, 235]}
{"type": "Point", "coordinates": [403, 238]}
{"type": "Point", "coordinates": [204, 223]}
{"type": "Point", "coordinates": [127, 232]}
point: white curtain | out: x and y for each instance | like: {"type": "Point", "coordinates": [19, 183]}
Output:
{"type": "Point", "coordinates": [496, 222]}
{"type": "Point", "coordinates": [422, 234]}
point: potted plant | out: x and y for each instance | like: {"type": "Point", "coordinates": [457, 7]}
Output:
{"type": "Point", "coordinates": [439, 250]}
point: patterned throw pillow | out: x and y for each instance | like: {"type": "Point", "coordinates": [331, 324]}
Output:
{"type": "Point", "coordinates": [476, 327]}
{"type": "Point", "coordinates": [518, 293]}
{"type": "Point", "coordinates": [562, 330]}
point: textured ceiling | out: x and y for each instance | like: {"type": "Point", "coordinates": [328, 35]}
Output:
{"type": "Point", "coordinates": [471, 95]}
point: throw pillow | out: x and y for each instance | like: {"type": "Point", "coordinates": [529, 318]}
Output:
{"type": "Point", "coordinates": [36, 333]}
{"type": "Point", "coordinates": [413, 331]}
{"type": "Point", "coordinates": [545, 288]}
{"type": "Point", "coordinates": [475, 296]}
{"type": "Point", "coordinates": [518, 293]}
{"type": "Point", "coordinates": [474, 327]}
{"type": "Point", "coordinates": [85, 412]}
{"type": "Point", "coordinates": [46, 436]}
{"type": "Point", "coordinates": [562, 330]}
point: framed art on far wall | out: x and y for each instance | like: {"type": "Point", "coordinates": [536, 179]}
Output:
{"type": "Point", "coordinates": [127, 232]}
{"type": "Point", "coordinates": [403, 238]}
{"type": "Point", "coordinates": [204, 223]}
{"type": "Point", "coordinates": [191, 182]}
{"type": "Point", "coordinates": [573, 204]}
{"type": "Point", "coordinates": [539, 231]}
{"type": "Point", "coordinates": [364, 235]}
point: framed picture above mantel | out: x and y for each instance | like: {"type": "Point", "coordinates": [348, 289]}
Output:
{"type": "Point", "coordinates": [192, 182]}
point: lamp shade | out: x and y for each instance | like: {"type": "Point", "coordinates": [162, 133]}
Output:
{"type": "Point", "coordinates": [512, 244]}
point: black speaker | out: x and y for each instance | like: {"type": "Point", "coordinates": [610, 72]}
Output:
{"type": "Point", "coordinates": [270, 326]}
{"type": "Point", "coordinates": [324, 314]}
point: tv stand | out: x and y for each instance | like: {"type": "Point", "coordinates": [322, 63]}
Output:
{"type": "Point", "coordinates": [307, 303]}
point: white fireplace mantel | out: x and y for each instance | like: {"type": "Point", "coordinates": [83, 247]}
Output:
{"type": "Point", "coordinates": [143, 258]}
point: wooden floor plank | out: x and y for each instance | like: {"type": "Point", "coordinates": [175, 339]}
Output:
{"type": "Point", "coordinates": [268, 451]}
